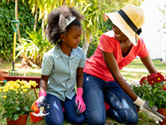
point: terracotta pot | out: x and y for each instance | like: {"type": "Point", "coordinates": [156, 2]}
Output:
{"type": "Point", "coordinates": [20, 121]}
{"type": "Point", "coordinates": [163, 112]}
{"type": "Point", "coordinates": [4, 74]}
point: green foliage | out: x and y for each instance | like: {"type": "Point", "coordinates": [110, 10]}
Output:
{"type": "Point", "coordinates": [7, 13]}
{"type": "Point", "coordinates": [94, 23]}
{"type": "Point", "coordinates": [92, 47]}
{"type": "Point", "coordinates": [91, 9]}
{"type": "Point", "coordinates": [33, 49]}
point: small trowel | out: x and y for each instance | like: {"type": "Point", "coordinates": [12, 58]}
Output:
{"type": "Point", "coordinates": [42, 108]}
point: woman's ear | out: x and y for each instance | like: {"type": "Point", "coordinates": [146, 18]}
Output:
{"type": "Point", "coordinates": [62, 36]}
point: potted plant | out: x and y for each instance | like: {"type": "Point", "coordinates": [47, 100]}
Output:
{"type": "Point", "coordinates": [15, 100]}
{"type": "Point", "coordinates": [153, 89]}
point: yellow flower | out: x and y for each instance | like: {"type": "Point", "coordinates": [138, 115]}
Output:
{"type": "Point", "coordinates": [15, 93]}
{"type": "Point", "coordinates": [16, 85]}
{"type": "Point", "coordinates": [27, 85]}
{"type": "Point", "coordinates": [33, 83]}
{"type": "Point", "coordinates": [24, 90]}
{"type": "Point", "coordinates": [5, 90]}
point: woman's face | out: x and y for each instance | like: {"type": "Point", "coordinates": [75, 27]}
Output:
{"type": "Point", "coordinates": [118, 34]}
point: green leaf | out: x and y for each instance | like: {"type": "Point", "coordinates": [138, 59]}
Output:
{"type": "Point", "coordinates": [151, 103]}
{"type": "Point", "coordinates": [26, 108]}
{"type": "Point", "coordinates": [18, 108]}
{"type": "Point", "coordinates": [16, 116]}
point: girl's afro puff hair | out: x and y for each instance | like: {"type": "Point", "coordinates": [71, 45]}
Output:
{"type": "Point", "coordinates": [55, 23]}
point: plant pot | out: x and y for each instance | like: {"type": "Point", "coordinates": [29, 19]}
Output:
{"type": "Point", "coordinates": [20, 121]}
{"type": "Point", "coordinates": [4, 74]}
{"type": "Point", "coordinates": [163, 112]}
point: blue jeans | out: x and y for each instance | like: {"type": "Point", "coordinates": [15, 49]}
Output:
{"type": "Point", "coordinates": [98, 91]}
{"type": "Point", "coordinates": [56, 117]}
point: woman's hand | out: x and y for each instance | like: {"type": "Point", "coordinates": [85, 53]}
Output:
{"type": "Point", "coordinates": [152, 112]}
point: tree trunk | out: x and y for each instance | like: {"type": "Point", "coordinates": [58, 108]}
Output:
{"type": "Point", "coordinates": [43, 24]}
{"type": "Point", "coordinates": [85, 44]}
{"type": "Point", "coordinates": [35, 25]}
{"type": "Point", "coordinates": [16, 17]}
{"type": "Point", "coordinates": [63, 2]}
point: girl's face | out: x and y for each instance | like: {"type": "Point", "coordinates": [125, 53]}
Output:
{"type": "Point", "coordinates": [118, 34]}
{"type": "Point", "coordinates": [71, 38]}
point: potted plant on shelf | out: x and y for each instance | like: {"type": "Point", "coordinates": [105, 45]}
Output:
{"type": "Point", "coordinates": [153, 89]}
{"type": "Point", "coordinates": [16, 101]}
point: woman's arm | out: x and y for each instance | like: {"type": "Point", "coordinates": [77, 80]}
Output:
{"type": "Point", "coordinates": [115, 71]}
{"type": "Point", "coordinates": [79, 77]}
{"type": "Point", "coordinates": [149, 64]}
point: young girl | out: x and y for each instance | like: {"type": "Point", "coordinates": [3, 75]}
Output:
{"type": "Point", "coordinates": [62, 68]}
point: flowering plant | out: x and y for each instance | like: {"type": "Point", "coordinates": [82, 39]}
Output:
{"type": "Point", "coordinates": [153, 89]}
{"type": "Point", "coordinates": [15, 99]}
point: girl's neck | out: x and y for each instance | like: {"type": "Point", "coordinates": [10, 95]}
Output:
{"type": "Point", "coordinates": [66, 50]}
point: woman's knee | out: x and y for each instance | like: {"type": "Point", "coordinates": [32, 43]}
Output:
{"type": "Point", "coordinates": [133, 120]}
{"type": "Point", "coordinates": [128, 117]}
{"type": "Point", "coordinates": [124, 116]}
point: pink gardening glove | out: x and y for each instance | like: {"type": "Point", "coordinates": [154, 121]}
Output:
{"type": "Point", "coordinates": [79, 101]}
{"type": "Point", "coordinates": [41, 99]}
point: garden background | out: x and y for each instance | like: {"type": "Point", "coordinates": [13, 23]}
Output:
{"type": "Point", "coordinates": [32, 43]}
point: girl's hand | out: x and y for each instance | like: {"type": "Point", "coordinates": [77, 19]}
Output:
{"type": "Point", "coordinates": [41, 99]}
{"type": "Point", "coordinates": [79, 102]}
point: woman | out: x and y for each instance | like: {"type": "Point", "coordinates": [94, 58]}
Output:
{"type": "Point", "coordinates": [103, 81]}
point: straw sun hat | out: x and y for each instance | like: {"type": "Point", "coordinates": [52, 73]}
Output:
{"type": "Point", "coordinates": [129, 20]}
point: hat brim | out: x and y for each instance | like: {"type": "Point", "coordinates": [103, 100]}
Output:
{"type": "Point", "coordinates": [122, 25]}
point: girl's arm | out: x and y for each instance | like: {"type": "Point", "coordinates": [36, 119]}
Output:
{"type": "Point", "coordinates": [42, 87]}
{"type": "Point", "coordinates": [43, 82]}
{"type": "Point", "coordinates": [79, 77]}
{"type": "Point", "coordinates": [115, 71]}
{"type": "Point", "coordinates": [149, 64]}
{"type": "Point", "coordinates": [79, 100]}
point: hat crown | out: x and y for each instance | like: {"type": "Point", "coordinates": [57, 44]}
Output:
{"type": "Point", "coordinates": [135, 14]}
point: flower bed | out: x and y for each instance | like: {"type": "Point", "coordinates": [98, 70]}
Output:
{"type": "Point", "coordinates": [153, 89]}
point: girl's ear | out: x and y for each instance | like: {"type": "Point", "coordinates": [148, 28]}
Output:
{"type": "Point", "coordinates": [62, 36]}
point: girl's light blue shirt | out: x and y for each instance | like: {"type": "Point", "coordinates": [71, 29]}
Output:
{"type": "Point", "coordinates": [62, 70]}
